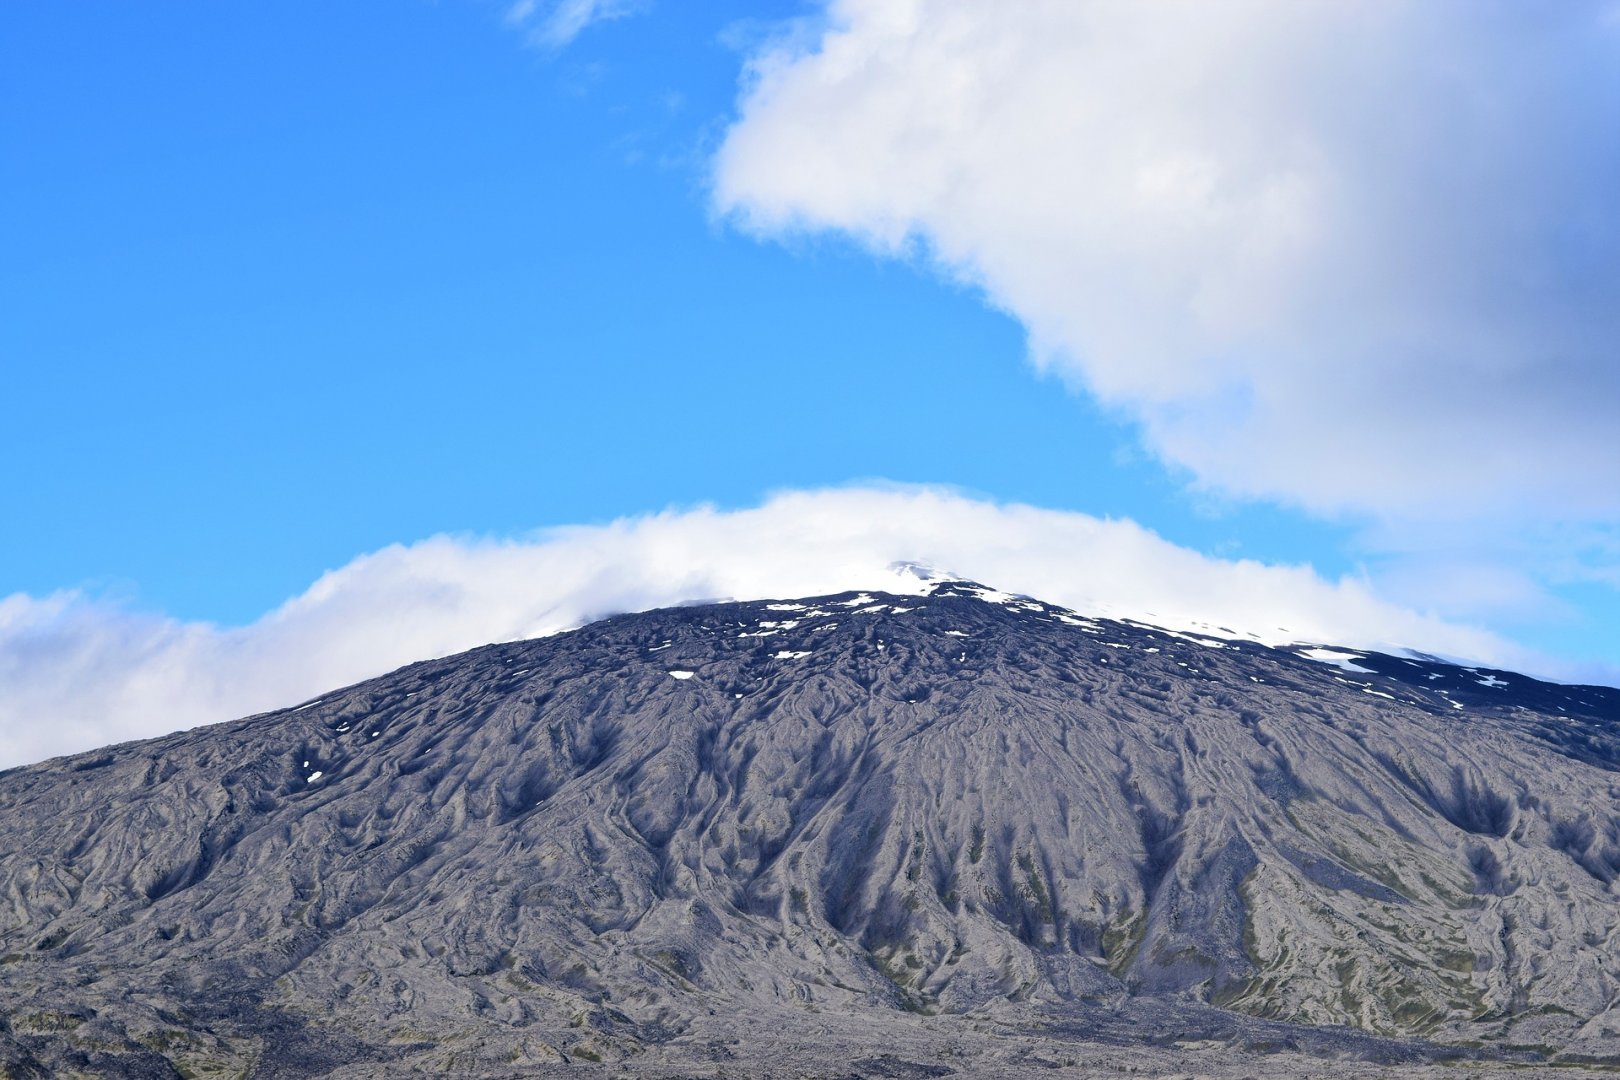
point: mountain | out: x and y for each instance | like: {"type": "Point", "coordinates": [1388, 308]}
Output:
{"type": "Point", "coordinates": [860, 835]}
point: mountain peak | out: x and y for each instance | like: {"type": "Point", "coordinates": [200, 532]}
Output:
{"type": "Point", "coordinates": [878, 821]}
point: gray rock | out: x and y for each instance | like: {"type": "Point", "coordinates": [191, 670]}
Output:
{"type": "Point", "coordinates": [853, 835]}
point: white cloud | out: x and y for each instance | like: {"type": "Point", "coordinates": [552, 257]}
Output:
{"type": "Point", "coordinates": [1359, 257]}
{"type": "Point", "coordinates": [78, 673]}
{"type": "Point", "coordinates": [555, 24]}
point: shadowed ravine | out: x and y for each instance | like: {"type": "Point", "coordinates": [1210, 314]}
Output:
{"type": "Point", "coordinates": [856, 835]}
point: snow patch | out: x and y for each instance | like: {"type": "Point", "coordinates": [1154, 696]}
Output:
{"type": "Point", "coordinates": [993, 596]}
{"type": "Point", "coordinates": [1196, 639]}
{"type": "Point", "coordinates": [1340, 660]}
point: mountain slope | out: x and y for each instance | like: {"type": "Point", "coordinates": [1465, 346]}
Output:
{"type": "Point", "coordinates": [848, 811]}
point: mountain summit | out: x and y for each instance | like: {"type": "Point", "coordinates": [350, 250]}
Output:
{"type": "Point", "coordinates": [870, 834]}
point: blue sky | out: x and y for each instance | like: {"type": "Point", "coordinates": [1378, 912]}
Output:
{"type": "Point", "coordinates": [287, 284]}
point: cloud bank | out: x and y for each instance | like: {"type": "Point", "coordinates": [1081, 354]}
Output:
{"type": "Point", "coordinates": [79, 674]}
{"type": "Point", "coordinates": [1361, 258]}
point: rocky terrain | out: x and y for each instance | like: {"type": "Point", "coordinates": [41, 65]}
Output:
{"type": "Point", "coordinates": [860, 835]}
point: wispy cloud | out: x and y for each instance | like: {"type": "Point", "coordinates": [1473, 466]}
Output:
{"type": "Point", "coordinates": [79, 673]}
{"type": "Point", "coordinates": [554, 24]}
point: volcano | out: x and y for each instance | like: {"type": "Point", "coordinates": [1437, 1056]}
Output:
{"type": "Point", "coordinates": [957, 833]}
